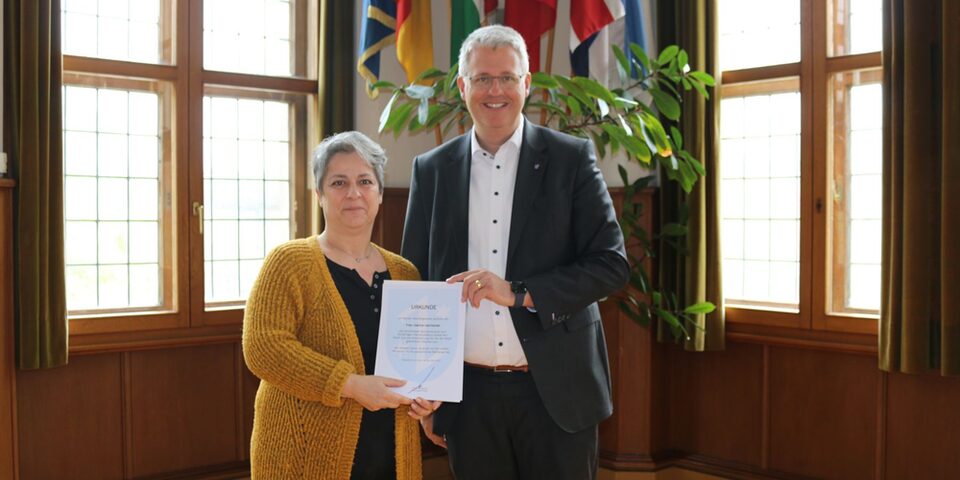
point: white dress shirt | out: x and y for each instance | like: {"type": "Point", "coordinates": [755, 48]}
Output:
{"type": "Point", "coordinates": [490, 338]}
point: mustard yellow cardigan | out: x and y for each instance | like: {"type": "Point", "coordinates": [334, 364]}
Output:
{"type": "Point", "coordinates": [298, 338]}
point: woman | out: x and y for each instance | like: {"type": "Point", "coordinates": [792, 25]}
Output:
{"type": "Point", "coordinates": [310, 335]}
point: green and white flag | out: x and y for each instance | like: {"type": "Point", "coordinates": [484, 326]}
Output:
{"type": "Point", "coordinates": [465, 17]}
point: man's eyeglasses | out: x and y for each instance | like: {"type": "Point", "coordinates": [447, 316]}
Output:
{"type": "Point", "coordinates": [485, 82]}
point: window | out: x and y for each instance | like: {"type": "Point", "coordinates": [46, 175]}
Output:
{"type": "Point", "coordinates": [186, 134]}
{"type": "Point", "coordinates": [801, 162]}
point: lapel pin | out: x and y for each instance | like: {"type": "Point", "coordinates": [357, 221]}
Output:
{"type": "Point", "coordinates": [536, 166]}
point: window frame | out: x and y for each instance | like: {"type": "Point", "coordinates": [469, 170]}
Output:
{"type": "Point", "coordinates": [190, 320]}
{"type": "Point", "coordinates": [814, 72]}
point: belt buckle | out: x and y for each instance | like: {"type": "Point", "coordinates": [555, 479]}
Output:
{"type": "Point", "coordinates": [503, 369]}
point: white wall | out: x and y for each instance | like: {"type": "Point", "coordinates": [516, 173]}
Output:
{"type": "Point", "coordinates": [401, 151]}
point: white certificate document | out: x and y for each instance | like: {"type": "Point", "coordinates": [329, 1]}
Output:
{"type": "Point", "coordinates": [421, 338]}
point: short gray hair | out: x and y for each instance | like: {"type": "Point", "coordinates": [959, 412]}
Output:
{"type": "Point", "coordinates": [348, 142]}
{"type": "Point", "coordinates": [493, 36]}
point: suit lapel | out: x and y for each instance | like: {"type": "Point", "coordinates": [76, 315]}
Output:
{"type": "Point", "coordinates": [457, 184]}
{"type": "Point", "coordinates": [530, 170]}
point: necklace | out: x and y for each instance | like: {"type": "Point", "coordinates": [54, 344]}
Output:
{"type": "Point", "coordinates": [355, 259]}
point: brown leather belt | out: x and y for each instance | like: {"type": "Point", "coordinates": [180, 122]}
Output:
{"type": "Point", "coordinates": [500, 368]}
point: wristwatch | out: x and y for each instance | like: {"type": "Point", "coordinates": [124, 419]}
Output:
{"type": "Point", "coordinates": [519, 290]}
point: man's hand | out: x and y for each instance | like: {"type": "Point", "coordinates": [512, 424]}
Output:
{"type": "Point", "coordinates": [372, 392]}
{"type": "Point", "coordinates": [483, 284]}
{"type": "Point", "coordinates": [423, 410]}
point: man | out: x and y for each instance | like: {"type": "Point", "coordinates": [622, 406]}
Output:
{"type": "Point", "coordinates": [521, 215]}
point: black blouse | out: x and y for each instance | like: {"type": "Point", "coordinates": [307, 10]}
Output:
{"type": "Point", "coordinates": [375, 457]}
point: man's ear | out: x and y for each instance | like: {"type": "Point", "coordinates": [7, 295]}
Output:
{"type": "Point", "coordinates": [461, 83]}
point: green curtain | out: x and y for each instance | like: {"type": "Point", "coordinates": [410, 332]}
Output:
{"type": "Point", "coordinates": [920, 318]}
{"type": "Point", "coordinates": [338, 71]}
{"type": "Point", "coordinates": [32, 112]}
{"type": "Point", "coordinates": [695, 275]}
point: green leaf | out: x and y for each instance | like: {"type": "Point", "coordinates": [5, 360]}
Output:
{"type": "Point", "coordinates": [543, 80]}
{"type": "Point", "coordinates": [697, 166]}
{"type": "Point", "coordinates": [385, 115]}
{"type": "Point", "coordinates": [687, 176]}
{"type": "Point", "coordinates": [624, 103]}
{"type": "Point", "coordinates": [676, 136]}
{"type": "Point", "coordinates": [382, 84]}
{"type": "Point", "coordinates": [552, 107]}
{"type": "Point", "coordinates": [702, 307]}
{"type": "Point", "coordinates": [593, 88]}
{"type": "Point", "coordinates": [666, 104]}
{"type": "Point", "coordinates": [399, 118]}
{"type": "Point", "coordinates": [623, 66]}
{"type": "Point", "coordinates": [641, 55]}
{"type": "Point", "coordinates": [572, 103]}
{"type": "Point", "coordinates": [623, 174]}
{"type": "Point", "coordinates": [419, 92]}
{"type": "Point", "coordinates": [438, 113]}
{"type": "Point", "coordinates": [639, 280]}
{"type": "Point", "coordinates": [450, 81]}
{"type": "Point", "coordinates": [682, 58]}
{"type": "Point", "coordinates": [577, 92]}
{"type": "Point", "coordinates": [669, 85]}
{"type": "Point", "coordinates": [699, 87]}
{"type": "Point", "coordinates": [614, 132]}
{"type": "Point", "coordinates": [667, 54]}
{"type": "Point", "coordinates": [599, 143]}
{"type": "Point", "coordinates": [660, 139]}
{"type": "Point", "coordinates": [429, 73]}
{"type": "Point", "coordinates": [694, 163]}
{"type": "Point", "coordinates": [674, 230]}
{"type": "Point", "coordinates": [636, 316]}
{"type": "Point", "coordinates": [703, 77]}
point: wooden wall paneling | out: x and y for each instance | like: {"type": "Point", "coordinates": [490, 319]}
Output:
{"type": "Point", "coordinates": [392, 213]}
{"type": "Point", "coordinates": [70, 419]}
{"type": "Point", "coordinates": [241, 444]}
{"type": "Point", "coordinates": [880, 466]}
{"type": "Point", "coordinates": [923, 426]}
{"type": "Point", "coordinates": [823, 419]}
{"type": "Point", "coordinates": [250, 385]}
{"type": "Point", "coordinates": [716, 402]}
{"type": "Point", "coordinates": [8, 375]}
{"type": "Point", "coordinates": [627, 438]}
{"type": "Point", "coordinates": [634, 435]}
{"type": "Point", "coordinates": [184, 409]}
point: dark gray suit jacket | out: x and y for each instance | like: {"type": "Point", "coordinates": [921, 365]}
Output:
{"type": "Point", "coordinates": [566, 245]}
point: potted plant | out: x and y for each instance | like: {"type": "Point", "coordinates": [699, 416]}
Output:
{"type": "Point", "coordinates": [626, 118]}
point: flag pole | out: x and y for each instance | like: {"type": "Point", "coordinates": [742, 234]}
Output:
{"type": "Point", "coordinates": [549, 69]}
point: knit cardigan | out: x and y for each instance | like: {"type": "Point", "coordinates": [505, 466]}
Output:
{"type": "Point", "coordinates": [299, 339]}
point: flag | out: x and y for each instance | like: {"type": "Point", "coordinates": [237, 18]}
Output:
{"type": "Point", "coordinates": [414, 37]}
{"type": "Point", "coordinates": [633, 31]}
{"type": "Point", "coordinates": [465, 17]}
{"type": "Point", "coordinates": [377, 29]}
{"type": "Point", "coordinates": [532, 18]}
{"type": "Point", "coordinates": [590, 54]}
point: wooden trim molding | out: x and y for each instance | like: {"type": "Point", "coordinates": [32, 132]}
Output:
{"type": "Point", "coordinates": [9, 456]}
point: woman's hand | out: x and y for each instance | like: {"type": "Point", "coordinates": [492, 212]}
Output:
{"type": "Point", "coordinates": [423, 410]}
{"type": "Point", "coordinates": [372, 392]}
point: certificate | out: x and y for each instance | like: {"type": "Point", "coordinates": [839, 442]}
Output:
{"type": "Point", "coordinates": [421, 338]}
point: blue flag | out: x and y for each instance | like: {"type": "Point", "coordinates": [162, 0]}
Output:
{"type": "Point", "coordinates": [633, 31]}
{"type": "Point", "coordinates": [377, 30]}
